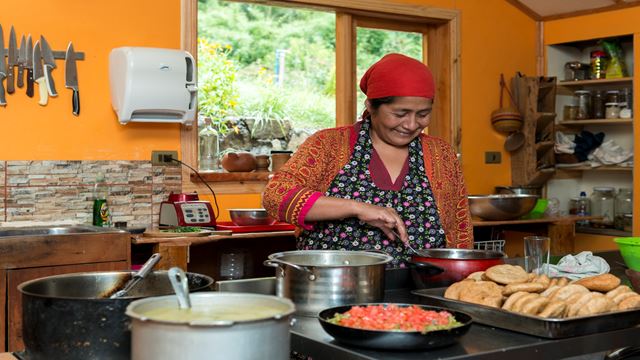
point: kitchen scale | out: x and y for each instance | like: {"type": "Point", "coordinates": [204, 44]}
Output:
{"type": "Point", "coordinates": [186, 210]}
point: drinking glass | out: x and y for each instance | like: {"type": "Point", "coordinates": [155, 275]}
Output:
{"type": "Point", "coordinates": [536, 253]}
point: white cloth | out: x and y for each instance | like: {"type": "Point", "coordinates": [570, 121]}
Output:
{"type": "Point", "coordinates": [564, 144]}
{"type": "Point", "coordinates": [576, 267]}
{"type": "Point", "coordinates": [610, 153]}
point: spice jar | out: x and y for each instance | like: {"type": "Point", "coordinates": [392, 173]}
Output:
{"type": "Point", "coordinates": [597, 105]}
{"type": "Point", "coordinates": [613, 96]}
{"type": "Point", "coordinates": [569, 112]}
{"type": "Point", "coordinates": [575, 70]}
{"type": "Point", "coordinates": [583, 100]}
{"type": "Point", "coordinates": [623, 205]}
{"type": "Point", "coordinates": [603, 204]}
{"type": "Point", "coordinates": [612, 111]}
{"type": "Point", "coordinates": [599, 63]}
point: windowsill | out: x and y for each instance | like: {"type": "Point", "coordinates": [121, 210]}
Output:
{"type": "Point", "coordinates": [262, 176]}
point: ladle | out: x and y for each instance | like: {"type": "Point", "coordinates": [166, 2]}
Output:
{"type": "Point", "coordinates": [138, 276]}
{"type": "Point", "coordinates": [180, 286]}
{"type": "Point", "coordinates": [514, 141]}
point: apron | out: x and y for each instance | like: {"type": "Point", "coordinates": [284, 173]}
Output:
{"type": "Point", "coordinates": [414, 203]}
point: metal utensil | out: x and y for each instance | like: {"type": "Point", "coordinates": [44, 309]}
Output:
{"type": "Point", "coordinates": [12, 60]}
{"type": "Point", "coordinates": [408, 244]}
{"type": "Point", "coordinates": [137, 277]}
{"type": "Point", "coordinates": [180, 286]}
{"type": "Point", "coordinates": [38, 74]}
{"type": "Point", "coordinates": [49, 64]}
{"type": "Point", "coordinates": [22, 60]}
{"type": "Point", "coordinates": [29, 66]}
{"type": "Point", "coordinates": [71, 78]}
{"type": "Point", "coordinates": [3, 70]}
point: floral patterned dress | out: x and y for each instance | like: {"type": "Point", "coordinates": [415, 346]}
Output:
{"type": "Point", "coordinates": [414, 203]}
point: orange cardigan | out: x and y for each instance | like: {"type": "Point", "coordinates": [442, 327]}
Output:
{"type": "Point", "coordinates": [308, 174]}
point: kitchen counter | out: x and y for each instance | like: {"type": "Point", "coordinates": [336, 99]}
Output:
{"type": "Point", "coordinates": [481, 342]}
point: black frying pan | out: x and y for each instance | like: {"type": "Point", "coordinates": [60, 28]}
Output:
{"type": "Point", "coordinates": [393, 340]}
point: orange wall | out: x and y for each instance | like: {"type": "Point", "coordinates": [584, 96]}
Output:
{"type": "Point", "coordinates": [29, 131]}
{"type": "Point", "coordinates": [606, 24]}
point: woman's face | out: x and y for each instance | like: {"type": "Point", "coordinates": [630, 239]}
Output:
{"type": "Point", "coordinates": [399, 122]}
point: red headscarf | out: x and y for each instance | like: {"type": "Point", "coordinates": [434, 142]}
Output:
{"type": "Point", "coordinates": [398, 75]}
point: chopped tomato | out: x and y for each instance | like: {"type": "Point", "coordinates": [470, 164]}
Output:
{"type": "Point", "coordinates": [395, 318]}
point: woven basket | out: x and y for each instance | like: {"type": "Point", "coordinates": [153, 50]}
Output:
{"type": "Point", "coordinates": [506, 119]}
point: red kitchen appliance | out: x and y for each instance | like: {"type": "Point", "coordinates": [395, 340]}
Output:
{"type": "Point", "coordinates": [186, 210]}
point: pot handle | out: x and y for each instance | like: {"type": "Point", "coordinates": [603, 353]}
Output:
{"type": "Point", "coordinates": [429, 268]}
{"type": "Point", "coordinates": [280, 263]}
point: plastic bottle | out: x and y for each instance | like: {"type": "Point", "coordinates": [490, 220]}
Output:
{"type": "Point", "coordinates": [101, 213]}
{"type": "Point", "coordinates": [583, 208]}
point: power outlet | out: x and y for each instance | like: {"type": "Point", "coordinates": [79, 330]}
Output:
{"type": "Point", "coordinates": [492, 157]}
{"type": "Point", "coordinates": [163, 158]}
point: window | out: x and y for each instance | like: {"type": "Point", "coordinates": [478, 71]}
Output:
{"type": "Point", "coordinates": [437, 28]}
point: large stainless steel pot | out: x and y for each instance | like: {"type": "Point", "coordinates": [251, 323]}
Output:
{"type": "Point", "coordinates": [265, 337]}
{"type": "Point", "coordinates": [71, 316]}
{"type": "Point", "coordinates": [319, 279]}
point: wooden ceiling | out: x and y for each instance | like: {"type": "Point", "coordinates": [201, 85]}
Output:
{"type": "Point", "coordinates": [542, 10]}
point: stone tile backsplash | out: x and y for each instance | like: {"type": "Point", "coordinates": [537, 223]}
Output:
{"type": "Point", "coordinates": [49, 191]}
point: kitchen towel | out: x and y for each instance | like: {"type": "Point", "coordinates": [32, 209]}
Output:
{"type": "Point", "coordinates": [579, 266]}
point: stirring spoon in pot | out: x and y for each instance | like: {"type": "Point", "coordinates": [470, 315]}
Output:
{"type": "Point", "coordinates": [180, 286]}
{"type": "Point", "coordinates": [138, 276]}
{"type": "Point", "coordinates": [407, 244]}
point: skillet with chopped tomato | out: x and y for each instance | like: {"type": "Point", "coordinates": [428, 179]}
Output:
{"type": "Point", "coordinates": [394, 326]}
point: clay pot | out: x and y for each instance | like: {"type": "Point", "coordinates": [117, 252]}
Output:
{"type": "Point", "coordinates": [263, 163]}
{"type": "Point", "coordinates": [239, 162]}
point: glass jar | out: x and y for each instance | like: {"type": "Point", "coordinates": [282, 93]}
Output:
{"type": "Point", "coordinates": [597, 105]}
{"type": "Point", "coordinates": [573, 205]}
{"type": "Point", "coordinates": [623, 206]}
{"type": "Point", "coordinates": [583, 100]}
{"type": "Point", "coordinates": [598, 64]}
{"type": "Point", "coordinates": [612, 111]}
{"type": "Point", "coordinates": [627, 223]}
{"type": "Point", "coordinates": [613, 96]}
{"type": "Point", "coordinates": [209, 151]}
{"type": "Point", "coordinates": [603, 204]}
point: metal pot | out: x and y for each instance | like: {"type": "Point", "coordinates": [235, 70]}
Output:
{"type": "Point", "coordinates": [266, 337]}
{"type": "Point", "coordinates": [71, 316]}
{"type": "Point", "coordinates": [443, 267]}
{"type": "Point", "coordinates": [318, 279]}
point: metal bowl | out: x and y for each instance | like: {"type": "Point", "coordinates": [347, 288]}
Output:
{"type": "Point", "coordinates": [250, 217]}
{"type": "Point", "coordinates": [501, 206]}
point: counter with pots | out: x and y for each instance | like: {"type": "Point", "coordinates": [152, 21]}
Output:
{"type": "Point", "coordinates": [481, 342]}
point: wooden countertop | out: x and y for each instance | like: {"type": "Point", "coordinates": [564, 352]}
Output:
{"type": "Point", "coordinates": [544, 220]}
{"type": "Point", "coordinates": [139, 239]}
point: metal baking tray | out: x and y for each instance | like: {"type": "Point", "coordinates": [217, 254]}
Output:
{"type": "Point", "coordinates": [534, 325]}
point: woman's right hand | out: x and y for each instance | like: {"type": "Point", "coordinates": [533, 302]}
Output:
{"type": "Point", "coordinates": [384, 218]}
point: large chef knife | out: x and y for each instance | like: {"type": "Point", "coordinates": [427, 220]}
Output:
{"type": "Point", "coordinates": [3, 69]}
{"type": "Point", "coordinates": [49, 65]}
{"type": "Point", "coordinates": [13, 60]}
{"type": "Point", "coordinates": [38, 74]}
{"type": "Point", "coordinates": [22, 59]}
{"type": "Point", "coordinates": [29, 66]}
{"type": "Point", "coordinates": [71, 77]}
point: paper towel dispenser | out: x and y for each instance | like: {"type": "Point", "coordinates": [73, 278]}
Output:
{"type": "Point", "coordinates": [153, 85]}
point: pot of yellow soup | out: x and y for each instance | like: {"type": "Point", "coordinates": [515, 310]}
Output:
{"type": "Point", "coordinates": [217, 326]}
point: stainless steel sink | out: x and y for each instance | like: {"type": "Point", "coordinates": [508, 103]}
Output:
{"type": "Point", "coordinates": [55, 230]}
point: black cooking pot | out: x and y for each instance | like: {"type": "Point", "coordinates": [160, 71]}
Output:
{"type": "Point", "coordinates": [72, 317]}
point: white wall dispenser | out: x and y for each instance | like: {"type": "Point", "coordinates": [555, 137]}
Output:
{"type": "Point", "coordinates": [153, 85]}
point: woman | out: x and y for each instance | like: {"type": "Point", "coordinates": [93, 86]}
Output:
{"type": "Point", "coordinates": [360, 187]}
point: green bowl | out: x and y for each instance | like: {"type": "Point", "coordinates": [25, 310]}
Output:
{"type": "Point", "coordinates": [630, 251]}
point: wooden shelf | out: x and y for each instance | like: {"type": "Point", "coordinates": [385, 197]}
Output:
{"type": "Point", "coordinates": [599, 168]}
{"type": "Point", "coordinates": [596, 122]}
{"type": "Point", "coordinates": [231, 176]}
{"type": "Point", "coordinates": [595, 82]}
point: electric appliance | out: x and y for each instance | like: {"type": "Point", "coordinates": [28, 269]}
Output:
{"type": "Point", "coordinates": [186, 210]}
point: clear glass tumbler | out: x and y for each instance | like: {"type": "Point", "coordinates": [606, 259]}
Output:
{"type": "Point", "coordinates": [537, 250]}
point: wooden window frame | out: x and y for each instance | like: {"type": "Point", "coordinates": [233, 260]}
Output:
{"type": "Point", "coordinates": [440, 29]}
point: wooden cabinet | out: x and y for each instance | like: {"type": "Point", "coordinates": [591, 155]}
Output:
{"type": "Point", "coordinates": [31, 257]}
{"type": "Point", "coordinates": [570, 179]}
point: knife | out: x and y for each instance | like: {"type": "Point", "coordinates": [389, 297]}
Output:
{"type": "Point", "coordinates": [29, 66]}
{"type": "Point", "coordinates": [3, 69]}
{"type": "Point", "coordinates": [71, 77]}
{"type": "Point", "coordinates": [49, 65]}
{"type": "Point", "coordinates": [22, 58]}
{"type": "Point", "coordinates": [13, 59]}
{"type": "Point", "coordinates": [38, 74]}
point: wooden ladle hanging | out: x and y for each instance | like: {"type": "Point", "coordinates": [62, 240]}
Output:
{"type": "Point", "coordinates": [508, 119]}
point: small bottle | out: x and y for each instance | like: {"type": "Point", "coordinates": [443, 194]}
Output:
{"type": "Point", "coordinates": [101, 213]}
{"type": "Point", "coordinates": [583, 208]}
{"type": "Point", "coordinates": [597, 105]}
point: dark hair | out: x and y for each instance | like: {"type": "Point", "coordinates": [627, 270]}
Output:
{"type": "Point", "coordinates": [375, 103]}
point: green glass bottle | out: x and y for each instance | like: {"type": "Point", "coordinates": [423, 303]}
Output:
{"type": "Point", "coordinates": [101, 214]}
